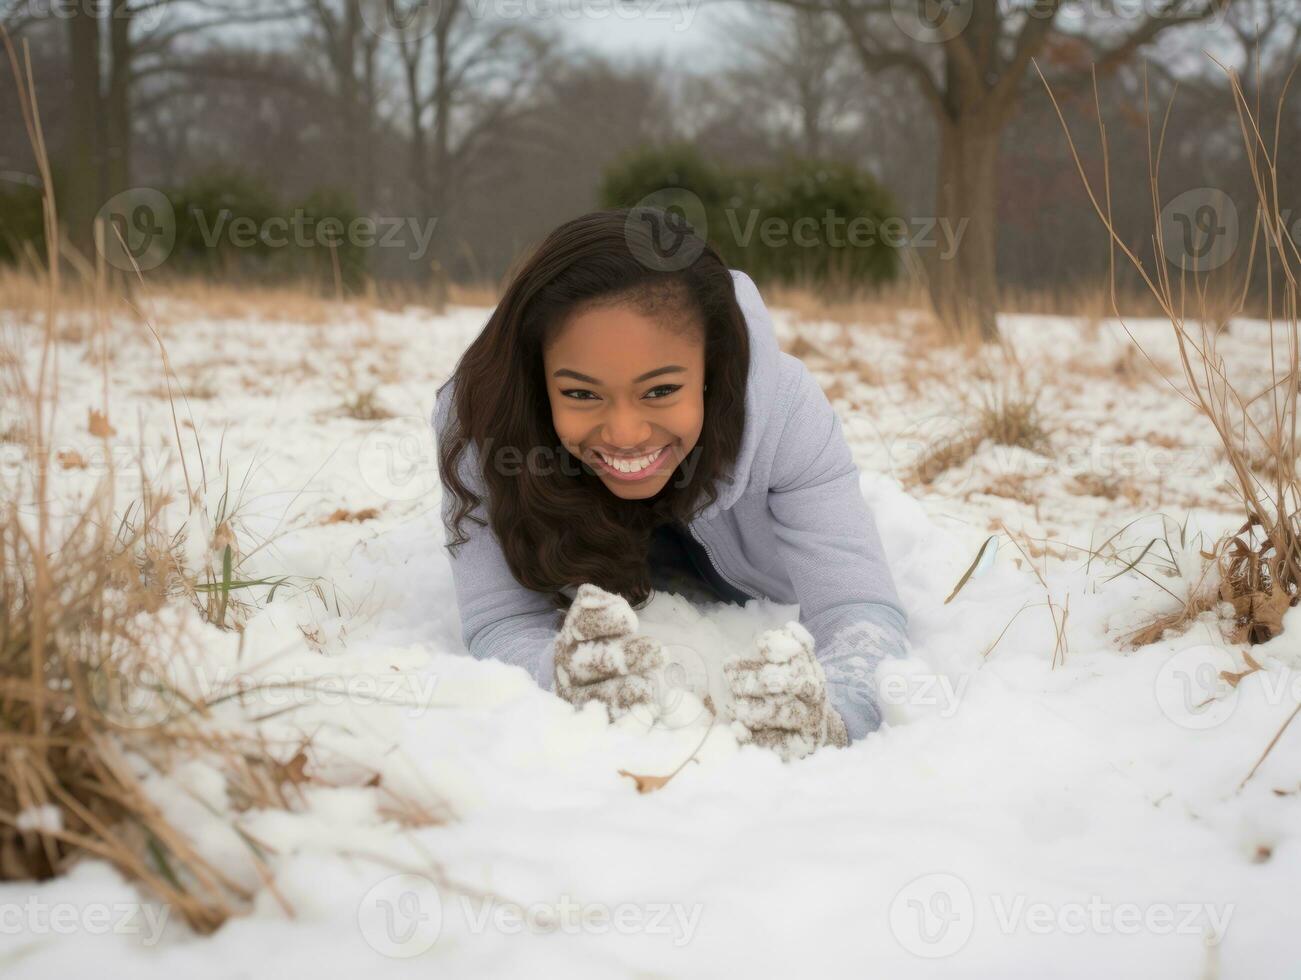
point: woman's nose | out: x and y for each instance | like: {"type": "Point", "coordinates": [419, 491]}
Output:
{"type": "Point", "coordinates": [625, 428]}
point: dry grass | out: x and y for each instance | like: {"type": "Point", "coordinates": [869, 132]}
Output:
{"type": "Point", "coordinates": [903, 307]}
{"type": "Point", "coordinates": [1089, 302]}
{"type": "Point", "coordinates": [1012, 486]}
{"type": "Point", "coordinates": [75, 628]}
{"type": "Point", "coordinates": [1106, 487]}
{"type": "Point", "coordinates": [880, 306]}
{"type": "Point", "coordinates": [96, 631]}
{"type": "Point", "coordinates": [365, 406]}
{"type": "Point", "coordinates": [1259, 565]}
{"type": "Point", "coordinates": [998, 404]}
{"type": "Point", "coordinates": [178, 299]}
{"type": "Point", "coordinates": [78, 645]}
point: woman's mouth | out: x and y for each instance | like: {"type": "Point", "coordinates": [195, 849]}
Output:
{"type": "Point", "coordinates": [632, 467]}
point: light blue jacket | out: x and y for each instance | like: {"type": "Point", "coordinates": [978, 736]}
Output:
{"type": "Point", "coordinates": [792, 526]}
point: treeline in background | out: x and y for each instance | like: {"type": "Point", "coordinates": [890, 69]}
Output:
{"type": "Point", "coordinates": [347, 143]}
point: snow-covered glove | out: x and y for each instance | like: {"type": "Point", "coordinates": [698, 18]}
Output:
{"type": "Point", "coordinates": [599, 655]}
{"type": "Point", "coordinates": [779, 695]}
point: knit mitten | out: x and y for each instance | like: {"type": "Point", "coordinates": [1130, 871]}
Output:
{"type": "Point", "coordinates": [780, 695]}
{"type": "Point", "coordinates": [599, 655]}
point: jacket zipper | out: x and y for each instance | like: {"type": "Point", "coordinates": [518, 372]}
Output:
{"type": "Point", "coordinates": [710, 555]}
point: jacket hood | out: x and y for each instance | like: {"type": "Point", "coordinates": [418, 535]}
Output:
{"type": "Point", "coordinates": [760, 392]}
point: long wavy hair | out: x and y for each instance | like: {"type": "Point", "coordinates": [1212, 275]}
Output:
{"type": "Point", "coordinates": [559, 525]}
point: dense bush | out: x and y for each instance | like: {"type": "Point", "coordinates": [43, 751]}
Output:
{"type": "Point", "coordinates": [221, 218]}
{"type": "Point", "coordinates": [338, 209]}
{"type": "Point", "coordinates": [804, 221]}
{"type": "Point", "coordinates": [648, 171]}
{"type": "Point", "coordinates": [20, 220]}
{"type": "Point", "coordinates": [228, 226]}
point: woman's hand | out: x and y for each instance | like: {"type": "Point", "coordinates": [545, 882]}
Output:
{"type": "Point", "coordinates": [779, 695]}
{"type": "Point", "coordinates": [600, 656]}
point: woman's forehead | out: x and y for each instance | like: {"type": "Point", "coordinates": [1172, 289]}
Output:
{"type": "Point", "coordinates": [621, 337]}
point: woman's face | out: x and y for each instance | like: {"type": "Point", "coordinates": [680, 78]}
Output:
{"type": "Point", "coordinates": [627, 396]}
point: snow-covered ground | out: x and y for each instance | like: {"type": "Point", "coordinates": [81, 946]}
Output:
{"type": "Point", "coordinates": [1033, 807]}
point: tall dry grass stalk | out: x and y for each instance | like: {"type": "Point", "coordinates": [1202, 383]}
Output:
{"type": "Point", "coordinates": [100, 691]}
{"type": "Point", "coordinates": [74, 622]}
{"type": "Point", "coordinates": [1259, 564]}
{"type": "Point", "coordinates": [94, 697]}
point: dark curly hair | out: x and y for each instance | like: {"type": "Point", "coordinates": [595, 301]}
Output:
{"type": "Point", "coordinates": [559, 525]}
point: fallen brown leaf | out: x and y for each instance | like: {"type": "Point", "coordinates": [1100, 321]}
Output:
{"type": "Point", "coordinates": [354, 516]}
{"type": "Point", "coordinates": [97, 422]}
{"type": "Point", "coordinates": [648, 784]}
{"type": "Point", "coordinates": [1230, 678]}
{"type": "Point", "coordinates": [295, 770]}
{"type": "Point", "coordinates": [70, 459]}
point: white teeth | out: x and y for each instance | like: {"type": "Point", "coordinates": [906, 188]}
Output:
{"type": "Point", "coordinates": [634, 465]}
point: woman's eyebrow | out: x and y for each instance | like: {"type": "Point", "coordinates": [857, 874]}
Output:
{"type": "Point", "coordinates": [667, 369]}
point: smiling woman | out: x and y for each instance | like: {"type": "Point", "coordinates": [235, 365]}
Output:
{"type": "Point", "coordinates": [693, 456]}
{"type": "Point", "coordinates": [633, 426]}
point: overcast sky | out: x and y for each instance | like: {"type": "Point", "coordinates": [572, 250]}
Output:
{"type": "Point", "coordinates": [678, 28]}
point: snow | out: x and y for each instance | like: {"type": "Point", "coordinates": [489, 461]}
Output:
{"type": "Point", "coordinates": [1027, 809]}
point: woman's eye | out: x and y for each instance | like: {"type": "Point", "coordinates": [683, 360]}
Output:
{"type": "Point", "coordinates": [663, 391]}
{"type": "Point", "coordinates": [578, 394]}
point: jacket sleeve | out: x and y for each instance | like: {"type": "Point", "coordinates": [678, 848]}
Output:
{"type": "Point", "coordinates": [500, 619]}
{"type": "Point", "coordinates": [833, 554]}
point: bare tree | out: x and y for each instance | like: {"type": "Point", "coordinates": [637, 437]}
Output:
{"type": "Point", "coordinates": [465, 78]}
{"type": "Point", "coordinates": [795, 80]}
{"type": "Point", "coordinates": [970, 59]}
{"type": "Point", "coordinates": [111, 45]}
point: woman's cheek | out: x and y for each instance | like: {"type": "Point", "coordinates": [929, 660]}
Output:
{"type": "Point", "coordinates": [567, 427]}
{"type": "Point", "coordinates": [688, 420]}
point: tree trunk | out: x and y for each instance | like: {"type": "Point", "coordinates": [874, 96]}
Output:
{"type": "Point", "coordinates": [82, 195]}
{"type": "Point", "coordinates": [118, 144]}
{"type": "Point", "coordinates": [439, 196]}
{"type": "Point", "coordinates": [963, 279]}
